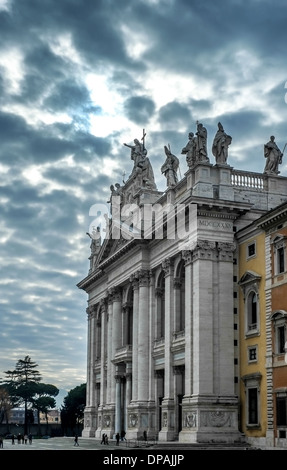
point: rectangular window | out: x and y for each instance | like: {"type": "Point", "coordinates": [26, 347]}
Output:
{"type": "Point", "coordinates": [252, 406]}
{"type": "Point", "coordinates": [280, 258]}
{"type": "Point", "coordinates": [281, 406]}
{"type": "Point", "coordinates": [281, 339]}
{"type": "Point", "coordinates": [251, 250]}
{"type": "Point", "coordinates": [252, 354]}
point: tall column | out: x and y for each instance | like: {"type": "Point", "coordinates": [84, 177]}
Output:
{"type": "Point", "coordinates": [104, 313]}
{"type": "Point", "coordinates": [109, 351]}
{"type": "Point", "coordinates": [151, 334]}
{"type": "Point", "coordinates": [135, 339]}
{"type": "Point", "coordinates": [116, 332]}
{"type": "Point", "coordinates": [143, 336]}
{"type": "Point", "coordinates": [210, 412]}
{"type": "Point", "coordinates": [92, 350]}
{"type": "Point", "coordinates": [118, 404]}
{"type": "Point", "coordinates": [168, 376]}
{"type": "Point", "coordinates": [187, 256]}
{"type": "Point", "coordinates": [167, 432]}
{"type": "Point", "coordinates": [225, 353]}
{"type": "Point", "coordinates": [203, 293]}
{"type": "Point", "coordinates": [90, 409]}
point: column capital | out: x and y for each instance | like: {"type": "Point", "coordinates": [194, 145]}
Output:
{"type": "Point", "coordinates": [204, 249]}
{"type": "Point", "coordinates": [167, 266]}
{"type": "Point", "coordinates": [91, 311]}
{"type": "Point", "coordinates": [226, 251]}
{"type": "Point", "coordinates": [143, 277]}
{"type": "Point", "coordinates": [115, 294]}
{"type": "Point", "coordinates": [187, 257]}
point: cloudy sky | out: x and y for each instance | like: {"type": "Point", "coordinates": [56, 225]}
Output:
{"type": "Point", "coordinates": [78, 78]}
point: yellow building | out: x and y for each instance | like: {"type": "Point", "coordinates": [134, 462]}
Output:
{"type": "Point", "coordinates": [252, 331]}
{"type": "Point", "coordinates": [262, 303]}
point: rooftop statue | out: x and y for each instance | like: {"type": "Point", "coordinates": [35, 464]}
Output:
{"type": "Point", "coordinates": [142, 170]}
{"type": "Point", "coordinates": [200, 140]}
{"type": "Point", "coordinates": [189, 150]}
{"type": "Point", "coordinates": [196, 147]}
{"type": "Point", "coordinates": [220, 145]}
{"type": "Point", "coordinates": [274, 157]}
{"type": "Point", "coordinates": [170, 167]}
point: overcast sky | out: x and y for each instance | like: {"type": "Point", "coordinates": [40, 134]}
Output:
{"type": "Point", "coordinates": [78, 78]}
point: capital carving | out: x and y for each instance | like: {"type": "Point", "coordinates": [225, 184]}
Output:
{"type": "Point", "coordinates": [116, 294]}
{"type": "Point", "coordinates": [226, 251]}
{"type": "Point", "coordinates": [167, 266]}
{"type": "Point", "coordinates": [143, 276]}
{"type": "Point", "coordinates": [204, 249]}
{"type": "Point", "coordinates": [187, 257]}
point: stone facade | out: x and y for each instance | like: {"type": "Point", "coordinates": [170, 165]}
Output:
{"type": "Point", "coordinates": [161, 338]}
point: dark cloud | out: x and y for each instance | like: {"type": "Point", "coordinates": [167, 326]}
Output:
{"type": "Point", "coordinates": [139, 109]}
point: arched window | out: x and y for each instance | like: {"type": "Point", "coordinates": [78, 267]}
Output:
{"type": "Point", "coordinates": [252, 311]}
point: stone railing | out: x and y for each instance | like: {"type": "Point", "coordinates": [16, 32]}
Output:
{"type": "Point", "coordinates": [247, 179]}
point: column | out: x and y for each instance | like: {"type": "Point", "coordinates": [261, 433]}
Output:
{"type": "Point", "coordinates": [118, 404]}
{"type": "Point", "coordinates": [116, 332]}
{"type": "Point", "coordinates": [187, 256]}
{"type": "Point", "coordinates": [143, 336]}
{"type": "Point", "coordinates": [104, 314]}
{"type": "Point", "coordinates": [92, 356]}
{"type": "Point", "coordinates": [135, 285]}
{"type": "Point", "coordinates": [109, 350]}
{"type": "Point", "coordinates": [151, 334]}
{"type": "Point", "coordinates": [225, 354]}
{"type": "Point", "coordinates": [168, 376]}
{"type": "Point", "coordinates": [203, 320]}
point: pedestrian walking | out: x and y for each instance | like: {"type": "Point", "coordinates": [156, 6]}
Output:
{"type": "Point", "coordinates": [13, 439]}
{"type": "Point", "coordinates": [30, 438]}
{"type": "Point", "coordinates": [103, 439]}
{"type": "Point", "coordinates": [118, 438]}
{"type": "Point", "coordinates": [76, 443]}
{"type": "Point", "coordinates": [123, 434]}
{"type": "Point", "coordinates": [25, 438]}
{"type": "Point", "coordinates": [19, 438]}
{"type": "Point", "coordinates": [1, 442]}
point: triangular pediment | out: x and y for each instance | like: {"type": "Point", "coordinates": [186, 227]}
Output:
{"type": "Point", "coordinates": [119, 237]}
{"type": "Point", "coordinates": [249, 277]}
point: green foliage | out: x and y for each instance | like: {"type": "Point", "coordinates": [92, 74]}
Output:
{"type": "Point", "coordinates": [72, 412]}
{"type": "Point", "coordinates": [23, 385]}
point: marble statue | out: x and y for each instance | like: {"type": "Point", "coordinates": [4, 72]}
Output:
{"type": "Point", "coordinates": [274, 157]}
{"type": "Point", "coordinates": [170, 167]}
{"type": "Point", "coordinates": [220, 145]}
{"type": "Point", "coordinates": [189, 150]}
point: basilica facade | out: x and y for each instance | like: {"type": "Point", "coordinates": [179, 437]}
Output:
{"type": "Point", "coordinates": [163, 297]}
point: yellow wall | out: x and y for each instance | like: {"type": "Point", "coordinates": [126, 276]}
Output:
{"type": "Point", "coordinates": [257, 265]}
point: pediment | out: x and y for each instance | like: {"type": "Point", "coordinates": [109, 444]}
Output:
{"type": "Point", "coordinates": [120, 236]}
{"type": "Point", "coordinates": [249, 277]}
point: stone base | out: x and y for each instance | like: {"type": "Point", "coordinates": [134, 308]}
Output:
{"type": "Point", "coordinates": [208, 419]}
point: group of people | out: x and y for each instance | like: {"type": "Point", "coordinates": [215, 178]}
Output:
{"type": "Point", "coordinates": [118, 436]}
{"type": "Point", "coordinates": [21, 439]}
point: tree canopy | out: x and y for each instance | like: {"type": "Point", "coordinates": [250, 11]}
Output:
{"type": "Point", "coordinates": [23, 386]}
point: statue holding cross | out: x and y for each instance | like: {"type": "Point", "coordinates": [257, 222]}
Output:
{"type": "Point", "coordinates": [138, 152]}
{"type": "Point", "coordinates": [142, 169]}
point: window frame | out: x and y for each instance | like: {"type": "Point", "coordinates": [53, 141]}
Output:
{"type": "Point", "coordinates": [252, 383]}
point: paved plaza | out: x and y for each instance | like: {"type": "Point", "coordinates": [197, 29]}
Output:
{"type": "Point", "coordinates": [62, 443]}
